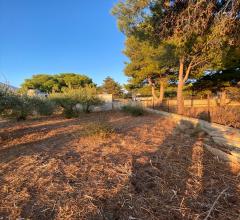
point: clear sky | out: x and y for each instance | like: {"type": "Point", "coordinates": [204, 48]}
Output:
{"type": "Point", "coordinates": [53, 36]}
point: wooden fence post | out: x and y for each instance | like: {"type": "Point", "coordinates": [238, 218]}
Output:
{"type": "Point", "coordinates": [168, 104]}
{"type": "Point", "coordinates": [208, 101]}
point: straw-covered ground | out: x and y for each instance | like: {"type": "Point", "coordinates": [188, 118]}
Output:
{"type": "Point", "coordinates": [112, 166]}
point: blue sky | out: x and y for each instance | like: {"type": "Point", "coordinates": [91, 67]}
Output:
{"type": "Point", "coordinates": [53, 36]}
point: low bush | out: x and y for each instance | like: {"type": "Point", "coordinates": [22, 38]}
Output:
{"type": "Point", "coordinates": [76, 101]}
{"type": "Point", "coordinates": [133, 110]}
{"type": "Point", "coordinates": [70, 112]}
{"type": "Point", "coordinates": [43, 106]}
{"type": "Point", "coordinates": [72, 101]}
{"type": "Point", "coordinates": [21, 106]}
{"type": "Point", "coordinates": [14, 105]}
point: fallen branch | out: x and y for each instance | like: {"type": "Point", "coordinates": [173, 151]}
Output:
{"type": "Point", "coordinates": [215, 202]}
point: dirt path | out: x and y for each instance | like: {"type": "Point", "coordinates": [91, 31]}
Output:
{"type": "Point", "coordinates": [148, 168]}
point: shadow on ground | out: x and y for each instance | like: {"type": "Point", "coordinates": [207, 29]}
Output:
{"type": "Point", "coordinates": [180, 180]}
{"type": "Point", "coordinates": [150, 168]}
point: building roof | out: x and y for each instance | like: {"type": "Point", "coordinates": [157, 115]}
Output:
{"type": "Point", "coordinates": [13, 88]}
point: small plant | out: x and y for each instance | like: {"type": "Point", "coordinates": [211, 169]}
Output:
{"type": "Point", "coordinates": [133, 110]}
{"type": "Point", "coordinates": [100, 129]}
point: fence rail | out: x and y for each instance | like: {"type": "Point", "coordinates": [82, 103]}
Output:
{"type": "Point", "coordinates": [208, 110]}
{"type": "Point", "coordinates": [188, 103]}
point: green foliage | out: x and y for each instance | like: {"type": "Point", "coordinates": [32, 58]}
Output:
{"type": "Point", "coordinates": [22, 106]}
{"type": "Point", "coordinates": [217, 81]}
{"type": "Point", "coordinates": [56, 83]}
{"type": "Point", "coordinates": [146, 60]}
{"type": "Point", "coordinates": [195, 35]}
{"type": "Point", "coordinates": [42, 106]}
{"type": "Point", "coordinates": [130, 14]}
{"type": "Point", "coordinates": [111, 87]}
{"type": "Point", "coordinates": [14, 105]}
{"type": "Point", "coordinates": [70, 112]}
{"type": "Point", "coordinates": [205, 41]}
{"type": "Point", "coordinates": [75, 101]}
{"type": "Point", "coordinates": [144, 91]}
{"type": "Point", "coordinates": [133, 110]}
{"type": "Point", "coordinates": [148, 64]}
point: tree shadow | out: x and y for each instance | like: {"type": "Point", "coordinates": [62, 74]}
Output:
{"type": "Point", "coordinates": [180, 180]}
{"type": "Point", "coordinates": [29, 129]}
{"type": "Point", "coordinates": [176, 179]}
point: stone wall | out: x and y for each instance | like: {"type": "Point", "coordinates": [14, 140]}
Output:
{"type": "Point", "coordinates": [224, 136]}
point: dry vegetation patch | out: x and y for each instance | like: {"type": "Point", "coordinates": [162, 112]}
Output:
{"type": "Point", "coordinates": [140, 168]}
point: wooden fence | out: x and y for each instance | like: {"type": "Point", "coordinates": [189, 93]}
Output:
{"type": "Point", "coordinates": [188, 103]}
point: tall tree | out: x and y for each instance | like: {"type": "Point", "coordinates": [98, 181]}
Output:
{"type": "Point", "coordinates": [74, 81]}
{"type": "Point", "coordinates": [55, 83]}
{"type": "Point", "coordinates": [110, 86]}
{"type": "Point", "coordinates": [146, 66]}
{"type": "Point", "coordinates": [201, 34]}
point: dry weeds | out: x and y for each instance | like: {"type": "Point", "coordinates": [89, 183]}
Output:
{"type": "Point", "coordinates": [147, 168]}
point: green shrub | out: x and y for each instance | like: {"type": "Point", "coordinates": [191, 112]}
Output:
{"type": "Point", "coordinates": [67, 104]}
{"type": "Point", "coordinates": [14, 105]}
{"type": "Point", "coordinates": [70, 112]}
{"type": "Point", "coordinates": [42, 106]}
{"type": "Point", "coordinates": [21, 106]}
{"type": "Point", "coordinates": [133, 110]}
{"type": "Point", "coordinates": [5, 100]}
{"type": "Point", "coordinates": [86, 97]}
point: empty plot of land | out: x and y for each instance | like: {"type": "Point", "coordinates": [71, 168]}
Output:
{"type": "Point", "coordinates": [130, 168]}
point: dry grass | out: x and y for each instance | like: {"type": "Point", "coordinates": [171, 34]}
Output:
{"type": "Point", "coordinates": [147, 168]}
{"type": "Point", "coordinates": [99, 129]}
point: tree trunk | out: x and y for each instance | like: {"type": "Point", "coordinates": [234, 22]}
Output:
{"type": "Point", "coordinates": [161, 96]}
{"type": "Point", "coordinates": [154, 93]}
{"type": "Point", "coordinates": [161, 91]}
{"type": "Point", "coordinates": [180, 99]}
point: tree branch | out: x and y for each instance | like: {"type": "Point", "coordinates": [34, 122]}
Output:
{"type": "Point", "coordinates": [199, 62]}
{"type": "Point", "coordinates": [153, 88]}
{"type": "Point", "coordinates": [187, 72]}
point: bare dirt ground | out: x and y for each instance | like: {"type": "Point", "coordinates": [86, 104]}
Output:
{"type": "Point", "coordinates": [149, 168]}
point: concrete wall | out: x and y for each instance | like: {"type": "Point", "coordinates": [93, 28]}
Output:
{"type": "Point", "coordinates": [107, 105]}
